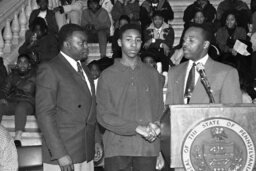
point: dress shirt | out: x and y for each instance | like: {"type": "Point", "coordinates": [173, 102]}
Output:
{"type": "Point", "coordinates": [42, 14]}
{"type": "Point", "coordinates": [190, 63]}
{"type": "Point", "coordinates": [74, 65]}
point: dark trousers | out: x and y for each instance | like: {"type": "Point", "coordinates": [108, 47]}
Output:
{"type": "Point", "coordinates": [128, 163]}
{"type": "Point", "coordinates": [20, 110]}
{"type": "Point", "coordinates": [100, 36]}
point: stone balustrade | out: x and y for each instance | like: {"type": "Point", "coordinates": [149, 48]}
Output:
{"type": "Point", "coordinates": [14, 16]}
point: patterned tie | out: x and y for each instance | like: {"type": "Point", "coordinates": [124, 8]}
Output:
{"type": "Point", "coordinates": [80, 70]}
{"type": "Point", "coordinates": [190, 83]}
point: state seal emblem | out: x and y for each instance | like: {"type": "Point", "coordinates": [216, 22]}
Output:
{"type": "Point", "coordinates": [218, 144]}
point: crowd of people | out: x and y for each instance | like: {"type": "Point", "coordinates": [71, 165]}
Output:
{"type": "Point", "coordinates": [116, 103]}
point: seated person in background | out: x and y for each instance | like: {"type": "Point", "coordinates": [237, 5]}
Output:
{"type": "Point", "coordinates": [226, 37]}
{"type": "Point", "coordinates": [159, 38]}
{"type": "Point", "coordinates": [148, 8]}
{"type": "Point", "coordinates": [95, 70]}
{"type": "Point", "coordinates": [203, 5]}
{"type": "Point", "coordinates": [108, 6]}
{"type": "Point", "coordinates": [97, 23]}
{"type": "Point", "coordinates": [73, 9]}
{"type": "Point", "coordinates": [130, 8]}
{"type": "Point", "coordinates": [45, 13]}
{"type": "Point", "coordinates": [40, 44]}
{"type": "Point", "coordinates": [244, 13]}
{"type": "Point", "coordinates": [3, 73]}
{"type": "Point", "coordinates": [116, 49]}
{"type": "Point", "coordinates": [18, 95]}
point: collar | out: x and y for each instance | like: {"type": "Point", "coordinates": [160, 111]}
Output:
{"type": "Point", "coordinates": [70, 60]}
{"type": "Point", "coordinates": [202, 61]}
{"type": "Point", "coordinates": [122, 67]}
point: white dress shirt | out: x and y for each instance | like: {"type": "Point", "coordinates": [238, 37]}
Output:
{"type": "Point", "coordinates": [190, 63]}
{"type": "Point", "coordinates": [74, 65]}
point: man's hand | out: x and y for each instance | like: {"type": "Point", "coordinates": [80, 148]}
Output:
{"type": "Point", "coordinates": [166, 49]}
{"type": "Point", "coordinates": [234, 53]}
{"type": "Point", "coordinates": [65, 163]}
{"type": "Point", "coordinates": [98, 152]}
{"type": "Point", "coordinates": [146, 132]}
{"type": "Point", "coordinates": [156, 127]}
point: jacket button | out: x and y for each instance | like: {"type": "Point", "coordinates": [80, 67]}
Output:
{"type": "Point", "coordinates": [79, 106]}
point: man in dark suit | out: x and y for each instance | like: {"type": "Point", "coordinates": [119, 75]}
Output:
{"type": "Point", "coordinates": [223, 79]}
{"type": "Point", "coordinates": [65, 105]}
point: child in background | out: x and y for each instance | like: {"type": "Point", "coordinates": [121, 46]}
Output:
{"type": "Point", "coordinates": [159, 38]}
{"type": "Point", "coordinates": [95, 70]}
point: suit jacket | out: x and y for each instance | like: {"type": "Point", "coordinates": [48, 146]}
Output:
{"type": "Point", "coordinates": [223, 79]}
{"type": "Point", "coordinates": [65, 111]}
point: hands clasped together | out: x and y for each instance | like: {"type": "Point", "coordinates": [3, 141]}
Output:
{"type": "Point", "coordinates": [149, 132]}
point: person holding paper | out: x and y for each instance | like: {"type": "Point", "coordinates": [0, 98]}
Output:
{"type": "Point", "coordinates": [129, 106]}
{"type": "Point", "coordinates": [226, 37]}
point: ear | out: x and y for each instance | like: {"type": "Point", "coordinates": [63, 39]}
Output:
{"type": "Point", "coordinates": [206, 44]}
{"type": "Point", "coordinates": [66, 44]}
{"type": "Point", "coordinates": [119, 42]}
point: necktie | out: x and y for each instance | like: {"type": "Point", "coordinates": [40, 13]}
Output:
{"type": "Point", "coordinates": [80, 70]}
{"type": "Point", "coordinates": [190, 83]}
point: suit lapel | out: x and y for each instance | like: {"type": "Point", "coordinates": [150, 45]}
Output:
{"type": "Point", "coordinates": [180, 82]}
{"type": "Point", "coordinates": [75, 75]}
{"type": "Point", "coordinates": [93, 104]}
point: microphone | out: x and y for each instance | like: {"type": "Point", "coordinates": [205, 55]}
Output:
{"type": "Point", "coordinates": [200, 69]}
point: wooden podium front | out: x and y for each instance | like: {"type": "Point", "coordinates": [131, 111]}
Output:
{"type": "Point", "coordinates": [213, 137]}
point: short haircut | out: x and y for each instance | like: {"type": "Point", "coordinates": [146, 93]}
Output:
{"type": "Point", "coordinates": [38, 21]}
{"type": "Point", "coordinates": [92, 1]}
{"type": "Point", "coordinates": [38, 1]}
{"type": "Point", "coordinates": [129, 27]}
{"type": "Point", "coordinates": [24, 56]}
{"type": "Point", "coordinates": [66, 31]}
{"type": "Point", "coordinates": [206, 33]}
{"type": "Point", "coordinates": [158, 13]}
{"type": "Point", "coordinates": [125, 17]}
{"type": "Point", "coordinates": [94, 62]}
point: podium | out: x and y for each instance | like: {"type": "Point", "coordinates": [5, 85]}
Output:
{"type": "Point", "coordinates": [211, 137]}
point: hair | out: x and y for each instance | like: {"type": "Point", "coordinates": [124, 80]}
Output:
{"type": "Point", "coordinates": [91, 1]}
{"type": "Point", "coordinates": [227, 13]}
{"type": "Point", "coordinates": [129, 27]}
{"type": "Point", "coordinates": [66, 31]}
{"type": "Point", "coordinates": [158, 13]}
{"type": "Point", "coordinates": [38, 21]}
{"type": "Point", "coordinates": [146, 54]}
{"type": "Point", "coordinates": [206, 33]}
{"type": "Point", "coordinates": [94, 62]}
{"type": "Point", "coordinates": [38, 1]}
{"type": "Point", "coordinates": [24, 56]}
{"type": "Point", "coordinates": [125, 17]}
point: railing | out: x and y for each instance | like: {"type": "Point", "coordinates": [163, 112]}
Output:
{"type": "Point", "coordinates": [14, 16]}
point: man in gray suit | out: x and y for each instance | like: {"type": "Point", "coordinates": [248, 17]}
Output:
{"type": "Point", "coordinates": [223, 79]}
{"type": "Point", "coordinates": [65, 105]}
